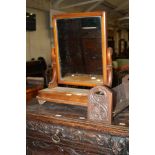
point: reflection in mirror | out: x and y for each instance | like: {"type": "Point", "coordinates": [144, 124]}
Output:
{"type": "Point", "coordinates": [80, 50]}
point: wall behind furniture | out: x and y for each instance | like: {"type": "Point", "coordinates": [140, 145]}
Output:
{"type": "Point", "coordinates": [38, 43]}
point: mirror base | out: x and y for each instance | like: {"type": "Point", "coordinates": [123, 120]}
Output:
{"type": "Point", "coordinates": [65, 95]}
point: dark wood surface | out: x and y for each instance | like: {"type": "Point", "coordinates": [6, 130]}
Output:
{"type": "Point", "coordinates": [100, 104]}
{"type": "Point", "coordinates": [65, 130]}
{"type": "Point", "coordinates": [31, 92]}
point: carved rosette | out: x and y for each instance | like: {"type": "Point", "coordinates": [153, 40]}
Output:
{"type": "Point", "coordinates": [100, 104]}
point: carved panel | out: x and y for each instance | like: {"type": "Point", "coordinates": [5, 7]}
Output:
{"type": "Point", "coordinates": [101, 143]}
{"type": "Point", "coordinates": [100, 104]}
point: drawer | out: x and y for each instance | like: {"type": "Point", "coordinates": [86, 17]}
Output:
{"type": "Point", "coordinates": [40, 147]}
{"type": "Point", "coordinates": [73, 140]}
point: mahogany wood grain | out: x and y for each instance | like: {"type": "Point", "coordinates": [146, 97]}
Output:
{"type": "Point", "coordinates": [109, 67]}
{"type": "Point", "coordinates": [53, 82]}
{"type": "Point", "coordinates": [56, 96]}
{"type": "Point", "coordinates": [103, 39]}
{"type": "Point", "coordinates": [64, 96]}
{"type": "Point", "coordinates": [77, 15]}
{"type": "Point", "coordinates": [104, 47]}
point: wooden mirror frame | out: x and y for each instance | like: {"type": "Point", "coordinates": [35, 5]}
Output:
{"type": "Point", "coordinates": [103, 43]}
{"type": "Point", "coordinates": [75, 96]}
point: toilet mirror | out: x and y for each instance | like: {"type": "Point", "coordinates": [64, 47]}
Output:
{"type": "Point", "coordinates": [81, 48]}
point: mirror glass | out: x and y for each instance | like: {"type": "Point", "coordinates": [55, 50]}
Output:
{"type": "Point", "coordinates": [80, 50]}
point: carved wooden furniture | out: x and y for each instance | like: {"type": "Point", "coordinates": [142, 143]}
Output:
{"type": "Point", "coordinates": [100, 104]}
{"type": "Point", "coordinates": [80, 58]}
{"type": "Point", "coordinates": [82, 67]}
{"type": "Point", "coordinates": [60, 129]}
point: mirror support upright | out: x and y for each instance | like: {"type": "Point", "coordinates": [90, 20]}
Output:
{"type": "Point", "coordinates": [76, 92]}
{"type": "Point", "coordinates": [53, 82]}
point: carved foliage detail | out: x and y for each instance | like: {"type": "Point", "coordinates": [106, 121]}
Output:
{"type": "Point", "coordinates": [117, 145]}
{"type": "Point", "coordinates": [56, 148]}
{"type": "Point", "coordinates": [120, 146]}
{"type": "Point", "coordinates": [100, 104]}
